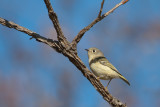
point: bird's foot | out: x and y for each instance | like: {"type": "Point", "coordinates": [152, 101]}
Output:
{"type": "Point", "coordinates": [98, 78]}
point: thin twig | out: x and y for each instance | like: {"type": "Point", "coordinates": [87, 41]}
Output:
{"type": "Point", "coordinates": [84, 30]}
{"type": "Point", "coordinates": [54, 19]}
{"type": "Point", "coordinates": [39, 38]}
{"type": "Point", "coordinates": [99, 15]}
{"type": "Point", "coordinates": [110, 11]}
{"type": "Point", "coordinates": [125, 1]}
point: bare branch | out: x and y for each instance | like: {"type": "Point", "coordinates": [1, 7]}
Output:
{"type": "Point", "coordinates": [50, 42]}
{"type": "Point", "coordinates": [52, 15]}
{"type": "Point", "coordinates": [81, 33]}
{"type": "Point", "coordinates": [110, 11]}
{"type": "Point", "coordinates": [99, 15]}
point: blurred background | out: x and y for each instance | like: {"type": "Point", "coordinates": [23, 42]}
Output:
{"type": "Point", "coordinates": [34, 75]}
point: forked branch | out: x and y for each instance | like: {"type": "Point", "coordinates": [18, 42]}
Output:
{"type": "Point", "coordinates": [99, 18]}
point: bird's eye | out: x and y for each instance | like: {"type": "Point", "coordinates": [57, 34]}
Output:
{"type": "Point", "coordinates": [94, 51]}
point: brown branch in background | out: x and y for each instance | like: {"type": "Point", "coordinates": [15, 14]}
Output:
{"type": "Point", "coordinates": [50, 42]}
{"type": "Point", "coordinates": [99, 15]}
{"type": "Point", "coordinates": [54, 19]}
{"type": "Point", "coordinates": [84, 30]}
{"type": "Point", "coordinates": [61, 46]}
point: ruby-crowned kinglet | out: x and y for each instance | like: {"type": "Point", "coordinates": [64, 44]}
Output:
{"type": "Point", "coordinates": [101, 67]}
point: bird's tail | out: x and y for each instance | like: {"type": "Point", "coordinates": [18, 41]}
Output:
{"type": "Point", "coordinates": [124, 79]}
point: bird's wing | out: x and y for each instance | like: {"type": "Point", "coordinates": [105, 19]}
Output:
{"type": "Point", "coordinates": [105, 62]}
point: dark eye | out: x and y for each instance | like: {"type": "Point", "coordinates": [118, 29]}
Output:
{"type": "Point", "coordinates": [94, 51]}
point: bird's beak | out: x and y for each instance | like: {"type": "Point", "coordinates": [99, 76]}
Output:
{"type": "Point", "coordinates": [86, 49]}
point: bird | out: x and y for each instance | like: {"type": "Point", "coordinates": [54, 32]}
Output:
{"type": "Point", "coordinates": [101, 67]}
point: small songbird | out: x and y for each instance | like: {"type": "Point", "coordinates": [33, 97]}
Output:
{"type": "Point", "coordinates": [101, 67]}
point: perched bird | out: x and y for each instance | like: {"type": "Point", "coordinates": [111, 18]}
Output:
{"type": "Point", "coordinates": [101, 67]}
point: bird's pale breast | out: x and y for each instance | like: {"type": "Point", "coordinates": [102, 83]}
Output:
{"type": "Point", "coordinates": [102, 71]}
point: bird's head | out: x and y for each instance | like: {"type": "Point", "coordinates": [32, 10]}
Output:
{"type": "Point", "coordinates": [94, 53]}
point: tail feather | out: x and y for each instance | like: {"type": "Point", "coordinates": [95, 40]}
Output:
{"type": "Point", "coordinates": [124, 79]}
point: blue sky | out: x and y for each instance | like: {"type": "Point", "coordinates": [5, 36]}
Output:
{"type": "Point", "coordinates": [129, 38]}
